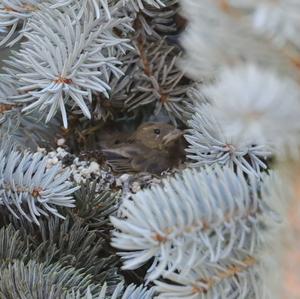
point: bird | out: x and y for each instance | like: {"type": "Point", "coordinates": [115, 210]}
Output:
{"type": "Point", "coordinates": [152, 147]}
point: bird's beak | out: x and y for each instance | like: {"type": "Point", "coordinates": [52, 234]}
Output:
{"type": "Point", "coordinates": [172, 136]}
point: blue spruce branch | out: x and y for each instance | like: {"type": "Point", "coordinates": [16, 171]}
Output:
{"type": "Point", "coordinates": [25, 180]}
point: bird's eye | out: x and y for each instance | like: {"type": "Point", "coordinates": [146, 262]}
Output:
{"type": "Point", "coordinates": [156, 131]}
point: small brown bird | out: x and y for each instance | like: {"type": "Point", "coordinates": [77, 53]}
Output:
{"type": "Point", "coordinates": [153, 147]}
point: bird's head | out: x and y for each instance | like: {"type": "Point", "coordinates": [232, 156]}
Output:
{"type": "Point", "coordinates": [157, 135]}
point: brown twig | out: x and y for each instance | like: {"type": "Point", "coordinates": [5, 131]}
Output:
{"type": "Point", "coordinates": [231, 271]}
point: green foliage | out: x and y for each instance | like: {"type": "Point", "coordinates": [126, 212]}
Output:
{"type": "Point", "coordinates": [35, 280]}
{"type": "Point", "coordinates": [29, 188]}
{"type": "Point", "coordinates": [94, 207]}
{"type": "Point", "coordinates": [69, 243]}
{"type": "Point", "coordinates": [100, 67]}
{"type": "Point", "coordinates": [12, 245]}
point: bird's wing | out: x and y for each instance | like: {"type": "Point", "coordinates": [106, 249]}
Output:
{"type": "Point", "coordinates": [121, 158]}
{"type": "Point", "coordinates": [153, 162]}
{"type": "Point", "coordinates": [137, 159]}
